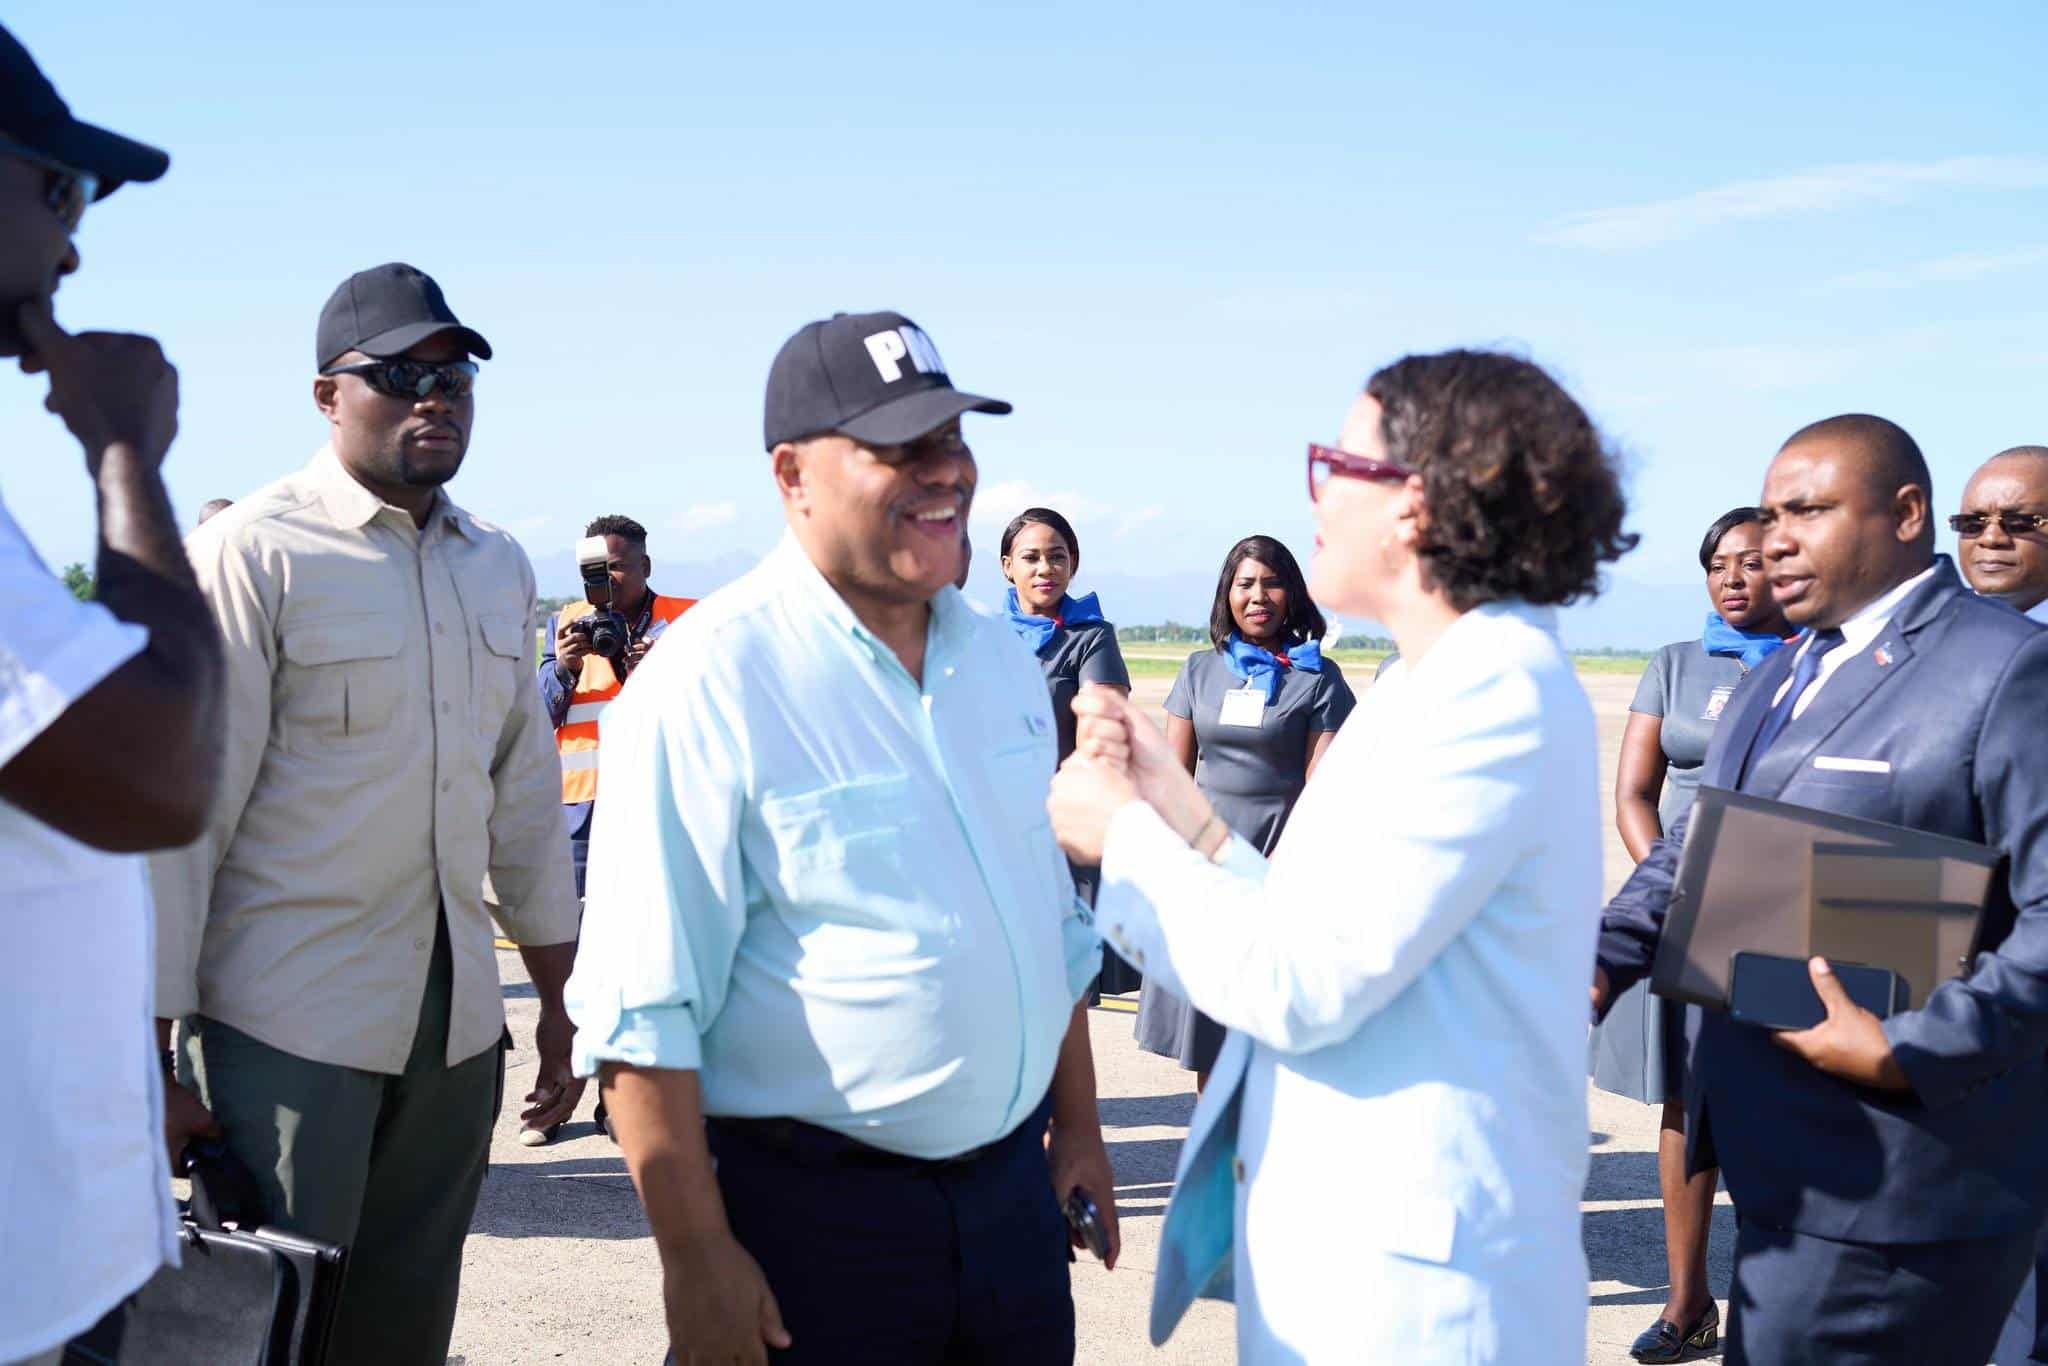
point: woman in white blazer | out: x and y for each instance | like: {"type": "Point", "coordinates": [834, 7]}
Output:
{"type": "Point", "coordinates": [1388, 1161]}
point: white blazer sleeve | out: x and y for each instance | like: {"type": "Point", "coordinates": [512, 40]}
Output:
{"type": "Point", "coordinates": [1390, 854]}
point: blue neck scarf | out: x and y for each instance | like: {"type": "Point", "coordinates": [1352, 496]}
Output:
{"type": "Point", "coordinates": [1261, 667]}
{"type": "Point", "coordinates": [1751, 647]}
{"type": "Point", "coordinates": [1037, 632]}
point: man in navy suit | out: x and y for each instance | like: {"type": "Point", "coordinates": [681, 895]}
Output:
{"type": "Point", "coordinates": [1888, 1176]}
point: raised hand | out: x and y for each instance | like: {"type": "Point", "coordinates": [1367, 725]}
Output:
{"type": "Point", "coordinates": [1112, 730]}
{"type": "Point", "coordinates": [111, 388]}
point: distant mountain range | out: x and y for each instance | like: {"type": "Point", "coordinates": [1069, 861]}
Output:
{"type": "Point", "coordinates": [1628, 616]}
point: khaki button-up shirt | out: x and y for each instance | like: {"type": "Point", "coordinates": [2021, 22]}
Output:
{"type": "Point", "coordinates": [386, 749]}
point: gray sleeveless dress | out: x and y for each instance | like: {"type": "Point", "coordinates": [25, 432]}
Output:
{"type": "Point", "coordinates": [1640, 1049]}
{"type": "Point", "coordinates": [1086, 652]}
{"type": "Point", "coordinates": [1252, 776]}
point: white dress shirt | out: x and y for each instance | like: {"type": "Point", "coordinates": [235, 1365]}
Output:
{"type": "Point", "coordinates": [1857, 633]}
{"type": "Point", "coordinates": [829, 888]}
{"type": "Point", "coordinates": [1405, 986]}
{"type": "Point", "coordinates": [85, 1191]}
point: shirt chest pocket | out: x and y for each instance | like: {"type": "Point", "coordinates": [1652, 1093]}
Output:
{"type": "Point", "coordinates": [340, 684]}
{"type": "Point", "coordinates": [507, 649]}
{"type": "Point", "coordinates": [841, 852]}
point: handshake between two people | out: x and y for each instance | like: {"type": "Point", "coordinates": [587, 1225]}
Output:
{"type": "Point", "coordinates": [1121, 757]}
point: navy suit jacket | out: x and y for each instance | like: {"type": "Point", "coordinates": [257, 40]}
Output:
{"type": "Point", "coordinates": [1953, 695]}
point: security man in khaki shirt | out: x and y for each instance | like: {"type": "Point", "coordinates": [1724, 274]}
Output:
{"type": "Point", "coordinates": [326, 942]}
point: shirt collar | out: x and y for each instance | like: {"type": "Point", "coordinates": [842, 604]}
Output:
{"type": "Point", "coordinates": [1864, 624]}
{"type": "Point", "coordinates": [351, 506]}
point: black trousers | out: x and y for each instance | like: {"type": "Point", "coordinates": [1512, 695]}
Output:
{"type": "Point", "coordinates": [880, 1259]}
{"type": "Point", "coordinates": [1798, 1300]}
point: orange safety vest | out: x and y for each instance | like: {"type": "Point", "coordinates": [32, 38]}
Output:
{"type": "Point", "coordinates": [576, 738]}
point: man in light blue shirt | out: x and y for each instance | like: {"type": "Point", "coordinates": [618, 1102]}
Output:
{"type": "Point", "coordinates": [826, 914]}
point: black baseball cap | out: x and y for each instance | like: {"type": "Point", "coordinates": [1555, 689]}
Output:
{"type": "Point", "coordinates": [35, 116]}
{"type": "Point", "coordinates": [875, 377]}
{"type": "Point", "coordinates": [385, 310]}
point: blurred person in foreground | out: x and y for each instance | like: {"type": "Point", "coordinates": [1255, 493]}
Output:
{"type": "Point", "coordinates": [1888, 1176]}
{"type": "Point", "coordinates": [1388, 1160]}
{"type": "Point", "coordinates": [833, 962]}
{"type": "Point", "coordinates": [110, 725]}
{"type": "Point", "coordinates": [2003, 529]}
{"type": "Point", "coordinates": [1074, 643]}
{"type": "Point", "coordinates": [326, 942]}
{"type": "Point", "coordinates": [1250, 718]}
{"type": "Point", "coordinates": [1639, 1051]}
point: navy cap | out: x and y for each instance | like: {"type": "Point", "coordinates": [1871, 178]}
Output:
{"type": "Point", "coordinates": [875, 377]}
{"type": "Point", "coordinates": [35, 116]}
{"type": "Point", "coordinates": [387, 310]}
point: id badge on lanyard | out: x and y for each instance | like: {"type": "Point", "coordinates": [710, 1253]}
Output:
{"type": "Point", "coordinates": [1243, 707]}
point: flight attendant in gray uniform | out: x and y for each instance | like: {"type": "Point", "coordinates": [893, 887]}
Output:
{"type": "Point", "coordinates": [1249, 718]}
{"type": "Point", "coordinates": [1641, 1050]}
{"type": "Point", "coordinates": [1074, 645]}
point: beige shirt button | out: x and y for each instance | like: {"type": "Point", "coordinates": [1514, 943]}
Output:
{"type": "Point", "coordinates": [447, 783]}
{"type": "Point", "coordinates": [447, 707]}
{"type": "Point", "coordinates": [420, 944]}
{"type": "Point", "coordinates": [439, 629]}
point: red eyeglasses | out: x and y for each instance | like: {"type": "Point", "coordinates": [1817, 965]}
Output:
{"type": "Point", "coordinates": [1325, 462]}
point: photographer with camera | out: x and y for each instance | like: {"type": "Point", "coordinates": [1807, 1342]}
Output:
{"type": "Point", "coordinates": [597, 643]}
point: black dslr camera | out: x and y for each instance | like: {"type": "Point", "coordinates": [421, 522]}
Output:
{"type": "Point", "coordinates": [608, 632]}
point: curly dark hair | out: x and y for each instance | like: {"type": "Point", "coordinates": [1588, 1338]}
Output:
{"type": "Point", "coordinates": [1304, 618]}
{"type": "Point", "coordinates": [611, 524]}
{"type": "Point", "coordinates": [1524, 499]}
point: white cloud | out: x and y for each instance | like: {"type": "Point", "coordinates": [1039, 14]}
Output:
{"type": "Point", "coordinates": [1142, 517]}
{"type": "Point", "coordinates": [1768, 367]}
{"type": "Point", "coordinates": [705, 516]}
{"type": "Point", "coordinates": [1818, 190]}
{"type": "Point", "coordinates": [1964, 266]}
{"type": "Point", "coordinates": [995, 504]}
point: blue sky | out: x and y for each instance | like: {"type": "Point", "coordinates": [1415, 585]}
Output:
{"type": "Point", "coordinates": [1177, 236]}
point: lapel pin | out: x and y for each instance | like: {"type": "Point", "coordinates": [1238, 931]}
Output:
{"type": "Point", "coordinates": [1883, 656]}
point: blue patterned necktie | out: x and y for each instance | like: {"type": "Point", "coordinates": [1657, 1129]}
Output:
{"type": "Point", "coordinates": [1803, 675]}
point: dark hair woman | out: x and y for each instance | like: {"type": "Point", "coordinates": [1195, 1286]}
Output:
{"type": "Point", "coordinates": [1406, 978]}
{"type": "Point", "coordinates": [1249, 718]}
{"type": "Point", "coordinates": [1640, 1050]}
{"type": "Point", "coordinates": [1040, 556]}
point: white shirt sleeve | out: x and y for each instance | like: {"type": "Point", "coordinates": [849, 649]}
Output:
{"type": "Point", "coordinates": [54, 649]}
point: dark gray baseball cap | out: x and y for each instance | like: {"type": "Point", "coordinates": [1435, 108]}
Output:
{"type": "Point", "coordinates": [386, 310]}
{"type": "Point", "coordinates": [875, 377]}
{"type": "Point", "coordinates": [34, 116]}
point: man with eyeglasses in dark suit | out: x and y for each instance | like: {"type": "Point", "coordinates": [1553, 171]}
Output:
{"type": "Point", "coordinates": [2003, 527]}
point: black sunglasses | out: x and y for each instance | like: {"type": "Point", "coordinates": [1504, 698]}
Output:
{"type": "Point", "coordinates": [66, 189]}
{"type": "Point", "coordinates": [1970, 525]}
{"type": "Point", "coordinates": [412, 379]}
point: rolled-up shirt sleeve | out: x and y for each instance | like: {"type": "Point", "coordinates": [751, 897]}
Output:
{"type": "Point", "coordinates": [529, 857]}
{"type": "Point", "coordinates": [665, 903]}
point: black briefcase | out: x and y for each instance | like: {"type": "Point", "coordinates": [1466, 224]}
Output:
{"type": "Point", "coordinates": [246, 1294]}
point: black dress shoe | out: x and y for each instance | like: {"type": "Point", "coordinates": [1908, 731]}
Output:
{"type": "Point", "coordinates": [1666, 1341]}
